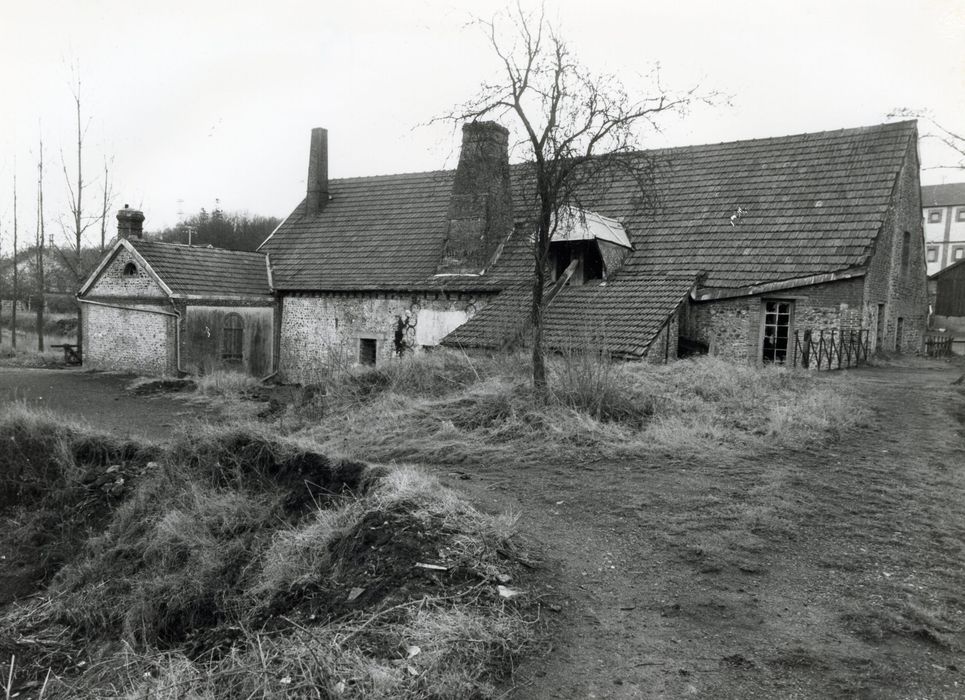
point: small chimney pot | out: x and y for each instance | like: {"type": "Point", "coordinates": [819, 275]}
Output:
{"type": "Point", "coordinates": [129, 223]}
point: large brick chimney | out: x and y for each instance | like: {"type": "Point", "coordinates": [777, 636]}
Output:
{"type": "Point", "coordinates": [317, 191]}
{"type": "Point", "coordinates": [129, 222]}
{"type": "Point", "coordinates": [481, 204]}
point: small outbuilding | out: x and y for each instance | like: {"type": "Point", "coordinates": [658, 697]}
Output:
{"type": "Point", "coordinates": [948, 318]}
{"type": "Point", "coordinates": [165, 308]}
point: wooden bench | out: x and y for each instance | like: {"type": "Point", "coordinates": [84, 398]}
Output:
{"type": "Point", "coordinates": [71, 353]}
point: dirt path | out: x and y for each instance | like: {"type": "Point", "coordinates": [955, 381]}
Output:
{"type": "Point", "coordinates": [837, 572]}
{"type": "Point", "coordinates": [99, 399]}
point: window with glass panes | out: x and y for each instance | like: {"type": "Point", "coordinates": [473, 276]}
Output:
{"type": "Point", "coordinates": [777, 329]}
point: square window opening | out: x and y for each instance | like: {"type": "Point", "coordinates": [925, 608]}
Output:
{"type": "Point", "coordinates": [932, 255]}
{"type": "Point", "coordinates": [367, 351]}
{"type": "Point", "coordinates": [935, 216]}
{"type": "Point", "coordinates": [960, 214]}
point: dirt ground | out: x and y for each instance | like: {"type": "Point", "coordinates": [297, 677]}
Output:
{"type": "Point", "coordinates": [832, 572]}
{"type": "Point", "coordinates": [99, 399]}
{"type": "Point", "coordinates": [837, 572]}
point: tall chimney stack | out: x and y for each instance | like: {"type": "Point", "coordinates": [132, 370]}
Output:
{"type": "Point", "coordinates": [317, 195]}
{"type": "Point", "coordinates": [129, 222]}
{"type": "Point", "coordinates": [481, 203]}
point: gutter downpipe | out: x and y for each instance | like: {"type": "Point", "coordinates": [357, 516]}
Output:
{"type": "Point", "coordinates": [174, 313]}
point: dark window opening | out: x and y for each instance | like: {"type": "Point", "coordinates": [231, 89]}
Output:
{"type": "Point", "coordinates": [777, 328]}
{"type": "Point", "coordinates": [589, 266]}
{"type": "Point", "coordinates": [880, 329]}
{"type": "Point", "coordinates": [905, 248]}
{"type": "Point", "coordinates": [233, 338]}
{"type": "Point", "coordinates": [130, 269]}
{"type": "Point", "coordinates": [935, 216]}
{"type": "Point", "coordinates": [899, 333]}
{"type": "Point", "coordinates": [367, 349]}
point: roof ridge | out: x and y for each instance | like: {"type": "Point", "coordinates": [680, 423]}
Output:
{"type": "Point", "coordinates": [665, 149]}
{"type": "Point", "coordinates": [142, 241]}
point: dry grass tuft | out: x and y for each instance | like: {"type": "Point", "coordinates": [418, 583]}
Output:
{"type": "Point", "coordinates": [609, 409]}
{"type": "Point", "coordinates": [207, 582]}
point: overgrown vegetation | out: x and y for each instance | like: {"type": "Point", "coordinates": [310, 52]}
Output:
{"type": "Point", "coordinates": [447, 406]}
{"type": "Point", "coordinates": [236, 564]}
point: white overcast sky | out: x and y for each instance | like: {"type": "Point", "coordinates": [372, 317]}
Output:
{"type": "Point", "coordinates": [211, 99]}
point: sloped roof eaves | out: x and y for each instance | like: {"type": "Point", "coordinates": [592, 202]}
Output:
{"type": "Point", "coordinates": [623, 316]}
{"type": "Point", "coordinates": [191, 271]}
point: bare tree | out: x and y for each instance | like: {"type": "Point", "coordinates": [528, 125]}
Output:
{"type": "Point", "coordinates": [16, 279]}
{"type": "Point", "coordinates": [75, 191]}
{"type": "Point", "coordinates": [953, 142]}
{"type": "Point", "coordinates": [578, 129]}
{"type": "Point", "coordinates": [106, 203]}
{"type": "Point", "coordinates": [39, 249]}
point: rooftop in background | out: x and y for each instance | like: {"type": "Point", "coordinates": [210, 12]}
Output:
{"type": "Point", "coordinates": [203, 271]}
{"type": "Point", "coordinates": [943, 195]}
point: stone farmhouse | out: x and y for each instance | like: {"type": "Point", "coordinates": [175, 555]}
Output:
{"type": "Point", "coordinates": [742, 245]}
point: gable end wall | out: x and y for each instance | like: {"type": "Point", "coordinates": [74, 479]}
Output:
{"type": "Point", "coordinates": [114, 283]}
{"type": "Point", "coordinates": [903, 293]}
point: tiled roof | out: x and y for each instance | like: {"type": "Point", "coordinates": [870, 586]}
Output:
{"type": "Point", "coordinates": [374, 232]}
{"type": "Point", "coordinates": [943, 195]}
{"type": "Point", "coordinates": [813, 204]}
{"type": "Point", "coordinates": [206, 271]}
{"type": "Point", "coordinates": [624, 318]}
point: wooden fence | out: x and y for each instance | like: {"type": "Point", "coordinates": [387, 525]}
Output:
{"type": "Point", "coordinates": [830, 349]}
{"type": "Point", "coordinates": [938, 345]}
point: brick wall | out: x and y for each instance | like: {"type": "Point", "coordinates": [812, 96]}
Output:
{"type": "Point", "coordinates": [129, 340]}
{"type": "Point", "coordinates": [114, 282]}
{"type": "Point", "coordinates": [319, 331]}
{"type": "Point", "coordinates": [733, 328]}
{"type": "Point", "coordinates": [902, 290]}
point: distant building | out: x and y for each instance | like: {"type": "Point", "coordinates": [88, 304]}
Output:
{"type": "Point", "coordinates": [943, 210]}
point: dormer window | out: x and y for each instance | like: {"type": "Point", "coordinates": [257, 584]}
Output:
{"type": "Point", "coordinates": [130, 270]}
{"type": "Point", "coordinates": [596, 243]}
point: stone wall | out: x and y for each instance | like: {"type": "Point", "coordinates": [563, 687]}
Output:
{"type": "Point", "coordinates": [900, 291]}
{"type": "Point", "coordinates": [136, 339]}
{"type": "Point", "coordinates": [733, 328]}
{"type": "Point", "coordinates": [324, 331]}
{"type": "Point", "coordinates": [114, 282]}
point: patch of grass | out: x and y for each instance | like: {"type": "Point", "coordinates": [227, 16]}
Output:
{"type": "Point", "coordinates": [225, 384]}
{"type": "Point", "coordinates": [616, 410]}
